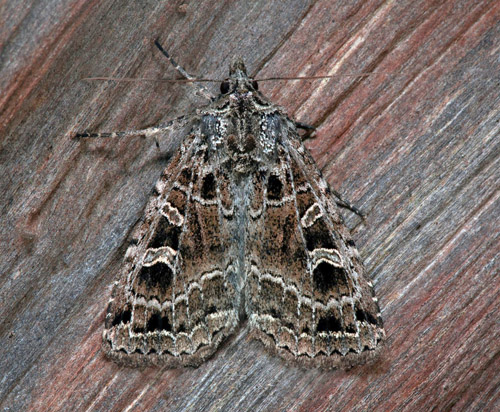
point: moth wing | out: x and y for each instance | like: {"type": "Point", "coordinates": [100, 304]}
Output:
{"type": "Point", "coordinates": [173, 303]}
{"type": "Point", "coordinates": [306, 293]}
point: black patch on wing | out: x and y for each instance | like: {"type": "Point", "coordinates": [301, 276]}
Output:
{"type": "Point", "coordinates": [166, 235]}
{"type": "Point", "coordinates": [329, 324]}
{"type": "Point", "coordinates": [274, 188]}
{"type": "Point", "coordinates": [327, 277]}
{"type": "Point", "coordinates": [318, 236]}
{"type": "Point", "coordinates": [208, 188]}
{"type": "Point", "coordinates": [155, 276]}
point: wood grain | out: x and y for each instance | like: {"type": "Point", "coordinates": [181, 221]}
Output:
{"type": "Point", "coordinates": [415, 146]}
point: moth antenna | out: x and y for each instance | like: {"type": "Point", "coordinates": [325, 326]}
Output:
{"type": "Point", "coordinates": [362, 74]}
{"type": "Point", "coordinates": [141, 79]}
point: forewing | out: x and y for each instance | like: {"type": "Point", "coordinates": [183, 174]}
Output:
{"type": "Point", "coordinates": [172, 303]}
{"type": "Point", "coordinates": [306, 294]}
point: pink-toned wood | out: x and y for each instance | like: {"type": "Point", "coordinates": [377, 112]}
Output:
{"type": "Point", "coordinates": [415, 146]}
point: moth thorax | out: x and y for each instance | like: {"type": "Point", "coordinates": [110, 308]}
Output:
{"type": "Point", "coordinates": [242, 150]}
{"type": "Point", "coordinates": [241, 145]}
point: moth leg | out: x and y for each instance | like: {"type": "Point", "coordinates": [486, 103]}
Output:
{"type": "Point", "coordinates": [346, 204]}
{"type": "Point", "coordinates": [308, 128]}
{"type": "Point", "coordinates": [201, 91]}
{"type": "Point", "coordinates": [148, 132]}
{"type": "Point", "coordinates": [304, 126]}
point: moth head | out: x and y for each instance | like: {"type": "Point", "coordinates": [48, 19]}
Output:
{"type": "Point", "coordinates": [238, 80]}
{"type": "Point", "coordinates": [237, 67]}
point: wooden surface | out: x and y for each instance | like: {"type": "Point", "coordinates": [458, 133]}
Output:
{"type": "Point", "coordinates": [415, 147]}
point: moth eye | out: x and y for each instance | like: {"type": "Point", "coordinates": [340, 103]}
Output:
{"type": "Point", "coordinates": [224, 87]}
{"type": "Point", "coordinates": [255, 85]}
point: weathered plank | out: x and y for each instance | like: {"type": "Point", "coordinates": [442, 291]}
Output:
{"type": "Point", "coordinates": [416, 147]}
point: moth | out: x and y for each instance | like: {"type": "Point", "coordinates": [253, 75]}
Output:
{"type": "Point", "coordinates": [241, 226]}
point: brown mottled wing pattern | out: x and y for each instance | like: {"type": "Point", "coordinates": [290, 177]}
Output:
{"type": "Point", "coordinates": [241, 222]}
{"type": "Point", "coordinates": [172, 303]}
{"type": "Point", "coordinates": [307, 297]}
